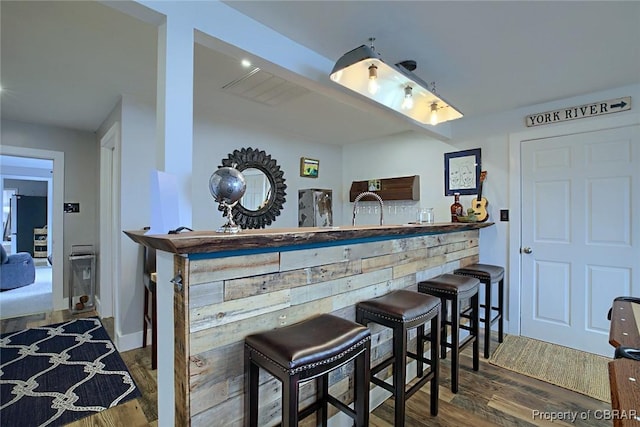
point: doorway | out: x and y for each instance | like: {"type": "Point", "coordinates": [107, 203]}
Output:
{"type": "Point", "coordinates": [573, 238]}
{"type": "Point", "coordinates": [109, 222]}
{"type": "Point", "coordinates": [581, 247]}
{"type": "Point", "coordinates": [25, 184]}
{"type": "Point", "coordinates": [54, 220]}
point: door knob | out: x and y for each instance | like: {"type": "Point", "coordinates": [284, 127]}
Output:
{"type": "Point", "coordinates": [526, 250]}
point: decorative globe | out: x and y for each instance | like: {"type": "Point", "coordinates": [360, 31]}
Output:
{"type": "Point", "coordinates": [227, 185]}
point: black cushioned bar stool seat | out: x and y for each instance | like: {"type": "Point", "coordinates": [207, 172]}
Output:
{"type": "Point", "coordinates": [488, 274]}
{"type": "Point", "coordinates": [309, 350]}
{"type": "Point", "coordinates": [454, 288]}
{"type": "Point", "coordinates": [401, 311]}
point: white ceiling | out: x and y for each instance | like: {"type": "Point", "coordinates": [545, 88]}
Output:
{"type": "Point", "coordinates": [67, 63]}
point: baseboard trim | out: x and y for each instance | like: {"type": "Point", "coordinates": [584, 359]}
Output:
{"type": "Point", "coordinates": [128, 341]}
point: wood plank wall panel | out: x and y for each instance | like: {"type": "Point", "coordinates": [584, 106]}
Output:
{"type": "Point", "coordinates": [181, 365]}
{"type": "Point", "coordinates": [209, 270]}
{"type": "Point", "coordinates": [230, 298]}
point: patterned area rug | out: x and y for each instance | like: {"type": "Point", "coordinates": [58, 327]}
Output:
{"type": "Point", "coordinates": [572, 369]}
{"type": "Point", "coordinates": [56, 374]}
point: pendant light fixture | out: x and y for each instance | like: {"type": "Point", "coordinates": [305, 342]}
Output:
{"type": "Point", "coordinates": [362, 70]}
{"type": "Point", "coordinates": [433, 117]}
{"type": "Point", "coordinates": [372, 86]}
{"type": "Point", "coordinates": [407, 102]}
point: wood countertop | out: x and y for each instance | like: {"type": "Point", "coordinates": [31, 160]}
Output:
{"type": "Point", "coordinates": [201, 242]}
{"type": "Point", "coordinates": [624, 329]}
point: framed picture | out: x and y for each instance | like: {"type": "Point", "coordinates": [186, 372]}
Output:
{"type": "Point", "coordinates": [309, 167]}
{"type": "Point", "coordinates": [462, 172]}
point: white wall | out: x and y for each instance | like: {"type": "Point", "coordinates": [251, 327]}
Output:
{"type": "Point", "coordinates": [137, 160]}
{"type": "Point", "coordinates": [400, 155]}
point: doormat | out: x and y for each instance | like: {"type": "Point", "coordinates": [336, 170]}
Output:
{"type": "Point", "coordinates": [575, 370]}
{"type": "Point", "coordinates": [53, 375]}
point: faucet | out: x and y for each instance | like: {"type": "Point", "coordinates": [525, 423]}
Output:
{"type": "Point", "coordinates": [364, 194]}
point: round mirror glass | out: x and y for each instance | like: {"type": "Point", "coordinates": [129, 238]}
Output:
{"type": "Point", "coordinates": [258, 190]}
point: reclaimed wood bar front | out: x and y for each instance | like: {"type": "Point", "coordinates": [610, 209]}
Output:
{"type": "Point", "coordinates": [234, 285]}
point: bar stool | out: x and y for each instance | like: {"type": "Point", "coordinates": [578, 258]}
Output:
{"type": "Point", "coordinates": [401, 311]}
{"type": "Point", "coordinates": [455, 288]}
{"type": "Point", "coordinates": [304, 351]}
{"type": "Point", "coordinates": [150, 318]}
{"type": "Point", "coordinates": [488, 274]}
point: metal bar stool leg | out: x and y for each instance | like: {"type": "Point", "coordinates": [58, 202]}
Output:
{"type": "Point", "coordinates": [145, 310]}
{"type": "Point", "coordinates": [435, 362]}
{"type": "Point", "coordinates": [252, 376]}
{"type": "Point", "coordinates": [501, 310]}
{"type": "Point", "coordinates": [290, 402]}
{"type": "Point", "coordinates": [487, 318]}
{"type": "Point", "coordinates": [475, 322]}
{"type": "Point", "coordinates": [399, 372]}
{"type": "Point", "coordinates": [154, 331]}
{"type": "Point", "coordinates": [443, 334]}
{"type": "Point", "coordinates": [322, 386]}
{"type": "Point", "coordinates": [420, 350]}
{"type": "Point", "coordinates": [455, 343]}
{"type": "Point", "coordinates": [361, 395]}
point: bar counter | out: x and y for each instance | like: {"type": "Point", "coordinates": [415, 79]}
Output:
{"type": "Point", "coordinates": [233, 285]}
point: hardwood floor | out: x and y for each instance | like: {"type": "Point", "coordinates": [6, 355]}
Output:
{"type": "Point", "coordinates": [490, 397]}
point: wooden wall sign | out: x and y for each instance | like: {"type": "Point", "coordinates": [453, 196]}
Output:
{"type": "Point", "coordinates": [587, 110]}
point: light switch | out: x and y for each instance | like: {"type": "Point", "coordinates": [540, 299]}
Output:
{"type": "Point", "coordinates": [71, 207]}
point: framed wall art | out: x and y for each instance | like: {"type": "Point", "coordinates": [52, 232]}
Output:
{"type": "Point", "coordinates": [462, 172]}
{"type": "Point", "coordinates": [309, 167]}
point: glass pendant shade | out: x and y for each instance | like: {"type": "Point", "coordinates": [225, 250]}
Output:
{"type": "Point", "coordinates": [353, 71]}
{"type": "Point", "coordinates": [434, 114]}
{"type": "Point", "coordinates": [407, 102]}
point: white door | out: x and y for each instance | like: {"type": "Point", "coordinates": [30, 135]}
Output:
{"type": "Point", "coordinates": [580, 234]}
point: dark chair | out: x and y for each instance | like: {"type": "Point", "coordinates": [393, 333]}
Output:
{"type": "Point", "coordinates": [488, 274]}
{"type": "Point", "coordinates": [456, 290]}
{"type": "Point", "coordinates": [150, 318]}
{"type": "Point", "coordinates": [16, 270]}
{"type": "Point", "coordinates": [304, 351]}
{"type": "Point", "coordinates": [401, 311]}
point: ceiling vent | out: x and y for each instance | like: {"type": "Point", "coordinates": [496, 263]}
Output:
{"type": "Point", "coordinates": [263, 87]}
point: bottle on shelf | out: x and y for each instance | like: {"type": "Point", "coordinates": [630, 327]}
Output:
{"type": "Point", "coordinates": [456, 208]}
